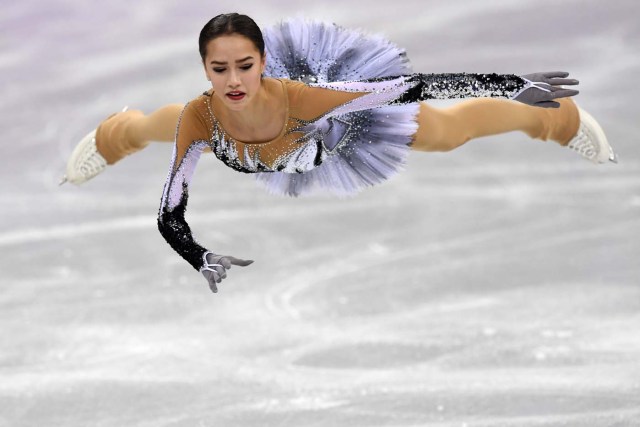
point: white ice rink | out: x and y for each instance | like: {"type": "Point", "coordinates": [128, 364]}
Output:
{"type": "Point", "coordinates": [496, 285]}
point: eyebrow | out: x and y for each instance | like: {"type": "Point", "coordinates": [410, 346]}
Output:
{"type": "Point", "coordinates": [239, 60]}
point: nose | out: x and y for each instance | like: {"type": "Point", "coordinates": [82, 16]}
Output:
{"type": "Point", "coordinates": [234, 79]}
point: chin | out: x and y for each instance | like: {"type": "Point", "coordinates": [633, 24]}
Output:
{"type": "Point", "coordinates": [235, 107]}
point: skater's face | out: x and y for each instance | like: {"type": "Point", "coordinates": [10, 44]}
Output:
{"type": "Point", "coordinates": [234, 65]}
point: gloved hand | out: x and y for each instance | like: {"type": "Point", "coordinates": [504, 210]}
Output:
{"type": "Point", "coordinates": [545, 88]}
{"type": "Point", "coordinates": [216, 266]}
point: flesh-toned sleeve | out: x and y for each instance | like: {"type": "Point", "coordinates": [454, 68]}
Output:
{"type": "Point", "coordinates": [191, 139]}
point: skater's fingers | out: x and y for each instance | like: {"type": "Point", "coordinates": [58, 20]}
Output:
{"type": "Point", "coordinates": [225, 262]}
{"type": "Point", "coordinates": [547, 104]}
{"type": "Point", "coordinates": [561, 82]}
{"type": "Point", "coordinates": [221, 271]}
{"type": "Point", "coordinates": [240, 262]}
{"type": "Point", "coordinates": [213, 287]}
{"type": "Point", "coordinates": [213, 258]}
{"type": "Point", "coordinates": [211, 279]}
{"type": "Point", "coordinates": [562, 93]}
{"type": "Point", "coordinates": [212, 276]}
{"type": "Point", "coordinates": [550, 74]}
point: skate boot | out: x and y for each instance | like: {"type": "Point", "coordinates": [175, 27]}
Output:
{"type": "Point", "coordinates": [85, 161]}
{"type": "Point", "coordinates": [591, 142]}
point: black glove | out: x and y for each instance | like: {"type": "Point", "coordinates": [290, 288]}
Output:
{"type": "Point", "coordinates": [544, 88]}
{"type": "Point", "coordinates": [216, 266]}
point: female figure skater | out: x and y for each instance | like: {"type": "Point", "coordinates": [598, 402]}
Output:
{"type": "Point", "coordinates": [323, 107]}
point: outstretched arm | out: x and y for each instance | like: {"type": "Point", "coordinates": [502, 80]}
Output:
{"type": "Point", "coordinates": [538, 89]}
{"type": "Point", "coordinates": [191, 140]}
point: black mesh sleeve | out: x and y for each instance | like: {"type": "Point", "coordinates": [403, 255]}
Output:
{"type": "Point", "coordinates": [175, 230]}
{"type": "Point", "coordinates": [460, 85]}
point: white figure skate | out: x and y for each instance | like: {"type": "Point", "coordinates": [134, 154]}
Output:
{"type": "Point", "coordinates": [85, 161]}
{"type": "Point", "coordinates": [591, 142]}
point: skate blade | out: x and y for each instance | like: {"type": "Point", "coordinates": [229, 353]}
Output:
{"type": "Point", "coordinates": [62, 180]}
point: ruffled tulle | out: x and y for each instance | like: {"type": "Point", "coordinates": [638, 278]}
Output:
{"type": "Point", "coordinates": [311, 51]}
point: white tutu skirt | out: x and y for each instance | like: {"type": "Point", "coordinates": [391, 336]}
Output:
{"type": "Point", "coordinates": [310, 51]}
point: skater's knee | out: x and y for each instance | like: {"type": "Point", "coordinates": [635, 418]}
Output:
{"type": "Point", "coordinates": [432, 145]}
{"type": "Point", "coordinates": [438, 130]}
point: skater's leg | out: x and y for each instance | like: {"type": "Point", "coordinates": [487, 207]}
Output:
{"type": "Point", "coordinates": [443, 129]}
{"type": "Point", "coordinates": [125, 133]}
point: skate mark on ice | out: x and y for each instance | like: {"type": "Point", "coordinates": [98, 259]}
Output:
{"type": "Point", "coordinates": [375, 355]}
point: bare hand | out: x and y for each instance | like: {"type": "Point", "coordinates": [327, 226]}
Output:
{"type": "Point", "coordinates": [546, 88]}
{"type": "Point", "coordinates": [216, 266]}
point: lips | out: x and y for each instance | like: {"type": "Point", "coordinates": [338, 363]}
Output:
{"type": "Point", "coordinates": [235, 95]}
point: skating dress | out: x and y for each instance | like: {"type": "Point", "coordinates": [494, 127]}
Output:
{"type": "Point", "coordinates": [352, 103]}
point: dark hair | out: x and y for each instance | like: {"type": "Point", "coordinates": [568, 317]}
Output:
{"type": "Point", "coordinates": [230, 23]}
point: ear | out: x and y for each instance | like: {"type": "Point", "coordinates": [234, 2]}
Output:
{"type": "Point", "coordinates": [263, 62]}
{"type": "Point", "coordinates": [204, 68]}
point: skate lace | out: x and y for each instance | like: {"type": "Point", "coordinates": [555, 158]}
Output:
{"type": "Point", "coordinates": [91, 162]}
{"type": "Point", "coordinates": [583, 144]}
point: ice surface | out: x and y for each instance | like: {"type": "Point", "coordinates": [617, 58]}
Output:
{"type": "Point", "coordinates": [496, 285]}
